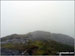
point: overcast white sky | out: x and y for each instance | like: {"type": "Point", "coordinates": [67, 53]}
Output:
{"type": "Point", "coordinates": [22, 17]}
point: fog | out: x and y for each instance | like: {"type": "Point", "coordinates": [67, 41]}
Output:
{"type": "Point", "coordinates": [21, 17]}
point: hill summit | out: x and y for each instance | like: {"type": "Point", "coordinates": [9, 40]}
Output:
{"type": "Point", "coordinates": [36, 43]}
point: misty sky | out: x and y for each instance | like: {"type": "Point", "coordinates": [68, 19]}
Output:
{"type": "Point", "coordinates": [22, 17]}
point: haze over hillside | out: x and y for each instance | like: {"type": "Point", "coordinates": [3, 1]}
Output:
{"type": "Point", "coordinates": [38, 35]}
{"type": "Point", "coordinates": [21, 17]}
{"type": "Point", "coordinates": [36, 43]}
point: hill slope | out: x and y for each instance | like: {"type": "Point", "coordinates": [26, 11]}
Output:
{"type": "Point", "coordinates": [38, 43]}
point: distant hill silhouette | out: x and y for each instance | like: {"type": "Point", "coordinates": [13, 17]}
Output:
{"type": "Point", "coordinates": [37, 42]}
{"type": "Point", "coordinates": [42, 35]}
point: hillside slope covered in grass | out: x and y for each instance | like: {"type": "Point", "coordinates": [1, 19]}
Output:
{"type": "Point", "coordinates": [36, 43]}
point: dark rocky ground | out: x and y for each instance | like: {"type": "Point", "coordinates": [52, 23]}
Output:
{"type": "Point", "coordinates": [5, 51]}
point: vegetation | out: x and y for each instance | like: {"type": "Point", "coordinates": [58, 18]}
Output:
{"type": "Point", "coordinates": [39, 47]}
{"type": "Point", "coordinates": [17, 46]}
{"type": "Point", "coordinates": [48, 47]}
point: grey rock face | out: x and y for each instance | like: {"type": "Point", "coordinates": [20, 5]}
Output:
{"type": "Point", "coordinates": [14, 39]}
{"type": "Point", "coordinates": [5, 51]}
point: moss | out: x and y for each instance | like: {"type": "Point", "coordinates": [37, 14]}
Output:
{"type": "Point", "coordinates": [17, 46]}
{"type": "Point", "coordinates": [39, 47]}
